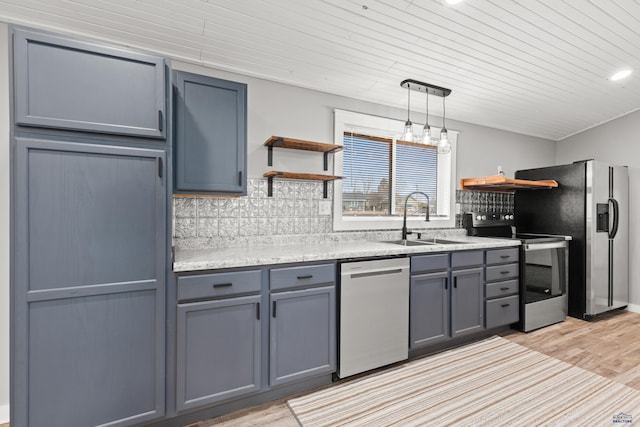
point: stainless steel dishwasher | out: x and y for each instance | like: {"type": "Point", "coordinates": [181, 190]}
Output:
{"type": "Point", "coordinates": [374, 314]}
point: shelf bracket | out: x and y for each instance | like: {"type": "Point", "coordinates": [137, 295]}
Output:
{"type": "Point", "coordinates": [270, 151]}
{"type": "Point", "coordinates": [270, 186]}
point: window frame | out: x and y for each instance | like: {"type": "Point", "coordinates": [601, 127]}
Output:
{"type": "Point", "coordinates": [346, 121]}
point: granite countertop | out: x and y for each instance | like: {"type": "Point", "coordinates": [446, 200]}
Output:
{"type": "Point", "coordinates": [194, 259]}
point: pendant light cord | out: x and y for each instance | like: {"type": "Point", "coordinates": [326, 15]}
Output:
{"type": "Point", "coordinates": [408, 103]}
{"type": "Point", "coordinates": [427, 107]}
{"type": "Point", "coordinates": [443, 113]}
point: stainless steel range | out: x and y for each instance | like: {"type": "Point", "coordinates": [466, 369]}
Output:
{"type": "Point", "coordinates": [544, 269]}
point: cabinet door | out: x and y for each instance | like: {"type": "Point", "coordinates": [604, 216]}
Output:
{"type": "Point", "coordinates": [67, 84]}
{"type": "Point", "coordinates": [88, 300]}
{"type": "Point", "coordinates": [429, 309]}
{"type": "Point", "coordinates": [218, 350]}
{"type": "Point", "coordinates": [467, 301]}
{"type": "Point", "coordinates": [211, 135]}
{"type": "Point", "coordinates": [302, 334]}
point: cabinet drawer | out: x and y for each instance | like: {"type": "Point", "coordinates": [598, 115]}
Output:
{"type": "Point", "coordinates": [501, 272]}
{"type": "Point", "coordinates": [501, 256]}
{"type": "Point", "coordinates": [293, 277]}
{"type": "Point", "coordinates": [424, 263]}
{"type": "Point", "coordinates": [467, 259]}
{"type": "Point", "coordinates": [501, 289]}
{"type": "Point", "coordinates": [502, 311]}
{"type": "Point", "coordinates": [218, 284]}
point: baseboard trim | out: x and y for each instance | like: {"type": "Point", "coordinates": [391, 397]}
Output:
{"type": "Point", "coordinates": [4, 414]}
{"type": "Point", "coordinates": [633, 307]}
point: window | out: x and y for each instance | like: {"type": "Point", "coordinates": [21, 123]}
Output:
{"type": "Point", "coordinates": [380, 174]}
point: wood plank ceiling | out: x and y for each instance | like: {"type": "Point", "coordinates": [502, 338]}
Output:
{"type": "Point", "coordinates": [536, 67]}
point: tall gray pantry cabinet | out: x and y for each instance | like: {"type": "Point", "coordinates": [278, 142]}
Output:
{"type": "Point", "coordinates": [89, 247]}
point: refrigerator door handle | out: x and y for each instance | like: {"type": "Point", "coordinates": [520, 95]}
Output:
{"type": "Point", "coordinates": [616, 212]}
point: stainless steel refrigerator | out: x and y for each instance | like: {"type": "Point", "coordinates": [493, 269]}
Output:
{"type": "Point", "coordinates": [591, 204]}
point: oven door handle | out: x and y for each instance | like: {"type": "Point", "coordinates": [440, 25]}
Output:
{"type": "Point", "coordinates": [542, 246]}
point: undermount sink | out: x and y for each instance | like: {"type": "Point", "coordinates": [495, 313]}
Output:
{"type": "Point", "coordinates": [433, 241]}
{"type": "Point", "coordinates": [408, 242]}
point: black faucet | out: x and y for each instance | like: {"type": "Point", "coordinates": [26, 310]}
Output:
{"type": "Point", "coordinates": [404, 220]}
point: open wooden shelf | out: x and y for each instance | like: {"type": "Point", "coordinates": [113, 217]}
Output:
{"type": "Point", "coordinates": [297, 175]}
{"type": "Point", "coordinates": [299, 144]}
{"type": "Point", "coordinates": [500, 183]}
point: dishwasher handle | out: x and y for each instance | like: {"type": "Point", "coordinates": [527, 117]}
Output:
{"type": "Point", "coordinates": [376, 273]}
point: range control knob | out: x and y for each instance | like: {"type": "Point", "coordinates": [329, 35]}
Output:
{"type": "Point", "coordinates": [484, 217]}
{"type": "Point", "coordinates": [478, 217]}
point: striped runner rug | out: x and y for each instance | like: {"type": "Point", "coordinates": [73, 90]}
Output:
{"type": "Point", "coordinates": [493, 382]}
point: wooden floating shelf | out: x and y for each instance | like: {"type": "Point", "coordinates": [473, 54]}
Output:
{"type": "Point", "coordinates": [296, 175]}
{"type": "Point", "coordinates": [500, 183]}
{"type": "Point", "coordinates": [299, 144]}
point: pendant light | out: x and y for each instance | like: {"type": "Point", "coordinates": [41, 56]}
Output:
{"type": "Point", "coordinates": [407, 134]}
{"type": "Point", "coordinates": [426, 131]}
{"type": "Point", "coordinates": [444, 146]}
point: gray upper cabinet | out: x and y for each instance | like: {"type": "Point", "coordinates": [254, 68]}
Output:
{"type": "Point", "coordinates": [210, 135]}
{"type": "Point", "coordinates": [74, 85]}
{"type": "Point", "coordinates": [89, 294]}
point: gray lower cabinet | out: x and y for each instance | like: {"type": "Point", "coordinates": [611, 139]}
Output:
{"type": "Point", "coordinates": [219, 350]}
{"type": "Point", "coordinates": [61, 83]}
{"type": "Point", "coordinates": [429, 300]}
{"type": "Point", "coordinates": [467, 293]}
{"type": "Point", "coordinates": [89, 275]}
{"type": "Point", "coordinates": [502, 276]}
{"type": "Point", "coordinates": [210, 135]}
{"type": "Point", "coordinates": [302, 323]}
{"type": "Point", "coordinates": [219, 337]}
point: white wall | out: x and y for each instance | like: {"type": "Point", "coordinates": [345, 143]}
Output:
{"type": "Point", "coordinates": [4, 225]}
{"type": "Point", "coordinates": [284, 110]}
{"type": "Point", "coordinates": [616, 142]}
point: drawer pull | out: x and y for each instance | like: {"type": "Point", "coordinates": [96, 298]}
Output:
{"type": "Point", "coordinates": [222, 285]}
{"type": "Point", "coordinates": [504, 288]}
{"type": "Point", "coordinates": [505, 305]}
{"type": "Point", "coordinates": [505, 256]}
{"type": "Point", "coordinates": [306, 276]}
{"type": "Point", "coordinates": [504, 272]}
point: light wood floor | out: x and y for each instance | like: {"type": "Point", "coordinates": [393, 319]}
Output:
{"type": "Point", "coordinates": [608, 346]}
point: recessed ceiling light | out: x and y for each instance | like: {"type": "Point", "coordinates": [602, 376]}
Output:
{"type": "Point", "coordinates": [451, 2]}
{"type": "Point", "coordinates": [621, 75]}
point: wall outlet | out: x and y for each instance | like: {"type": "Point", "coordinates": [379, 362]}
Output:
{"type": "Point", "coordinates": [324, 207]}
{"type": "Point", "coordinates": [458, 209]}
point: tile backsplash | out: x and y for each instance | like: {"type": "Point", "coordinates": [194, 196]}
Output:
{"type": "Point", "coordinates": [292, 213]}
{"type": "Point", "coordinates": [482, 201]}
{"type": "Point", "coordinates": [202, 221]}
